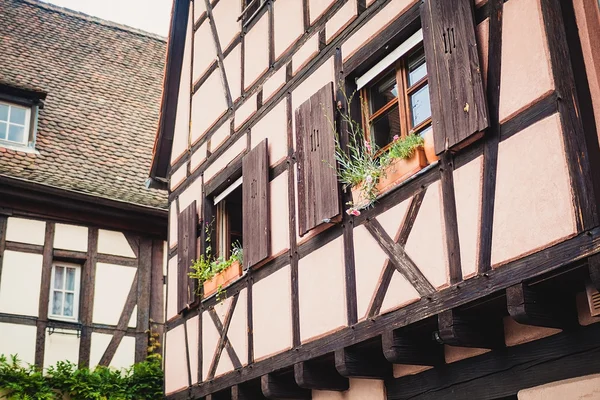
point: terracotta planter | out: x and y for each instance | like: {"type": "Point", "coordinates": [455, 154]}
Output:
{"type": "Point", "coordinates": [222, 279]}
{"type": "Point", "coordinates": [400, 169]}
{"type": "Point", "coordinates": [359, 200]}
{"type": "Point", "coordinates": [429, 147]}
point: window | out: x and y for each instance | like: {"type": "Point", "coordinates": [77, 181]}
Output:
{"type": "Point", "coordinates": [64, 293]}
{"type": "Point", "coordinates": [15, 122]}
{"type": "Point", "coordinates": [228, 220]}
{"type": "Point", "coordinates": [396, 102]}
{"type": "Point", "coordinates": [251, 9]}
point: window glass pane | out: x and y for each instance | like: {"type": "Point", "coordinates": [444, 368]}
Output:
{"type": "Point", "coordinates": [385, 127]}
{"type": "Point", "coordinates": [69, 301]}
{"type": "Point", "coordinates": [417, 68]}
{"type": "Point", "coordinates": [17, 115]}
{"type": "Point", "coordinates": [382, 92]}
{"type": "Point", "coordinates": [424, 131]}
{"type": "Point", "coordinates": [70, 279]}
{"type": "Point", "coordinates": [420, 108]}
{"type": "Point", "coordinates": [16, 133]}
{"type": "Point", "coordinates": [3, 112]}
{"type": "Point", "coordinates": [59, 277]}
{"type": "Point", "coordinates": [57, 301]}
{"type": "Point", "coordinates": [3, 129]}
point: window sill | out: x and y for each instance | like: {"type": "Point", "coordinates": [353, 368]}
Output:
{"type": "Point", "coordinates": [16, 147]}
{"type": "Point", "coordinates": [223, 280]}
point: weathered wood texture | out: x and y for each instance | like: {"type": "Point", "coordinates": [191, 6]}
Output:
{"type": "Point", "coordinates": [317, 181]}
{"type": "Point", "coordinates": [316, 375]}
{"type": "Point", "coordinates": [157, 310]}
{"type": "Point", "coordinates": [255, 205]}
{"type": "Point", "coordinates": [44, 294]}
{"type": "Point", "coordinates": [222, 328]}
{"type": "Point", "coordinates": [247, 391]}
{"type": "Point", "coordinates": [282, 387]}
{"type": "Point", "coordinates": [88, 285]}
{"type": "Point", "coordinates": [449, 217]}
{"type": "Point", "coordinates": [459, 329]}
{"type": "Point", "coordinates": [402, 348]}
{"type": "Point", "coordinates": [502, 373]}
{"type": "Point", "coordinates": [187, 225]}
{"type": "Point", "coordinates": [144, 282]}
{"type": "Point", "coordinates": [531, 306]}
{"type": "Point", "coordinates": [3, 223]}
{"type": "Point", "coordinates": [367, 362]}
{"type": "Point", "coordinates": [458, 104]}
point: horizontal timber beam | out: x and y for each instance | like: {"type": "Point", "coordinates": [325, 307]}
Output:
{"type": "Point", "coordinates": [542, 262]}
{"type": "Point", "coordinates": [319, 376]}
{"type": "Point", "coordinates": [282, 387]}
{"type": "Point", "coordinates": [458, 329]}
{"type": "Point", "coordinates": [399, 348]}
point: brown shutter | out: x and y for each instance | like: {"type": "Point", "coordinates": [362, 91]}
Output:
{"type": "Point", "coordinates": [315, 146]}
{"type": "Point", "coordinates": [255, 204]}
{"type": "Point", "coordinates": [458, 103]}
{"type": "Point", "coordinates": [187, 226]}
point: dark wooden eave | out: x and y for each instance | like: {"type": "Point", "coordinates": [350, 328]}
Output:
{"type": "Point", "coordinates": [24, 198]}
{"type": "Point", "coordinates": [170, 96]}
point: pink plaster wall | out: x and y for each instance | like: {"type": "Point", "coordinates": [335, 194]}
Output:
{"type": "Point", "coordinates": [190, 194]}
{"type": "Point", "coordinates": [273, 126]}
{"type": "Point", "coordinates": [288, 24]}
{"type": "Point", "coordinates": [360, 389]}
{"type": "Point", "coordinates": [279, 214]}
{"type": "Point", "coordinates": [399, 294]}
{"type": "Point", "coordinates": [454, 354]}
{"type": "Point", "coordinates": [318, 7]}
{"type": "Point", "coordinates": [533, 207]}
{"type": "Point", "coordinates": [341, 19]}
{"type": "Point", "coordinates": [468, 182]}
{"type": "Point", "coordinates": [516, 334]}
{"type": "Point", "coordinates": [219, 136]}
{"type": "Point", "coordinates": [225, 14]}
{"type": "Point", "coordinates": [205, 52]}
{"type": "Point", "coordinates": [582, 388]}
{"type": "Point", "coordinates": [305, 53]}
{"type": "Point", "coordinates": [208, 105]}
{"type": "Point", "coordinates": [199, 9]}
{"type": "Point", "coordinates": [482, 35]}
{"type": "Point", "coordinates": [272, 296]}
{"type": "Point", "coordinates": [192, 331]}
{"type": "Point", "coordinates": [379, 22]}
{"type": "Point", "coordinates": [401, 370]}
{"type": "Point", "coordinates": [198, 157]}
{"type": "Point", "coordinates": [172, 225]}
{"type": "Point", "coordinates": [245, 111]}
{"type": "Point", "coordinates": [523, 39]}
{"type": "Point", "coordinates": [178, 176]}
{"type": "Point", "coordinates": [227, 157]}
{"type": "Point", "coordinates": [587, 14]}
{"type": "Point", "coordinates": [175, 360]}
{"type": "Point", "coordinates": [233, 70]}
{"type": "Point", "coordinates": [238, 328]}
{"type": "Point", "coordinates": [256, 43]}
{"type": "Point", "coordinates": [273, 84]}
{"type": "Point", "coordinates": [172, 288]}
{"type": "Point", "coordinates": [393, 219]}
{"type": "Point", "coordinates": [321, 291]}
{"type": "Point", "coordinates": [426, 245]}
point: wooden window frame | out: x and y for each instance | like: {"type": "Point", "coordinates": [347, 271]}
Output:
{"type": "Point", "coordinates": [76, 292]}
{"type": "Point", "coordinates": [220, 217]}
{"type": "Point", "coordinates": [402, 99]}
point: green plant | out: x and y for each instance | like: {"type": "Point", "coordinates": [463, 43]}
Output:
{"type": "Point", "coordinates": [358, 165]}
{"type": "Point", "coordinates": [207, 266]}
{"type": "Point", "coordinates": [404, 148]}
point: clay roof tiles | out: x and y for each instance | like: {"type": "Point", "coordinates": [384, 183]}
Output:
{"type": "Point", "coordinates": [103, 86]}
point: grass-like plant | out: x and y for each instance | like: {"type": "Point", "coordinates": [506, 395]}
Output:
{"type": "Point", "coordinates": [405, 147]}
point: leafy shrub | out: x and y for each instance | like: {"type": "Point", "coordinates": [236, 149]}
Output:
{"type": "Point", "coordinates": [404, 148]}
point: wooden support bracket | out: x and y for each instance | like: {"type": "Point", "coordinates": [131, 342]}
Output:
{"type": "Point", "coordinates": [367, 363]}
{"type": "Point", "coordinates": [459, 329]}
{"type": "Point", "coordinates": [530, 306]}
{"type": "Point", "coordinates": [594, 268]}
{"type": "Point", "coordinates": [399, 348]}
{"type": "Point", "coordinates": [319, 376]}
{"type": "Point", "coordinates": [247, 391]}
{"type": "Point", "coordinates": [282, 387]}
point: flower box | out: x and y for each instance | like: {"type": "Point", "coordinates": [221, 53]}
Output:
{"type": "Point", "coordinates": [222, 279]}
{"type": "Point", "coordinates": [401, 169]}
{"type": "Point", "coordinates": [429, 147]}
{"type": "Point", "coordinates": [359, 200]}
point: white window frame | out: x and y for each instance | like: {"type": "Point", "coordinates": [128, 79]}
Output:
{"type": "Point", "coordinates": [27, 126]}
{"type": "Point", "coordinates": [77, 292]}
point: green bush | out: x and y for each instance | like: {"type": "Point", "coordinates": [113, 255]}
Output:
{"type": "Point", "coordinates": [142, 381]}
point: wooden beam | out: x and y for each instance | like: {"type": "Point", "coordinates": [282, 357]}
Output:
{"type": "Point", "coordinates": [530, 306]}
{"type": "Point", "coordinates": [282, 387]}
{"type": "Point", "coordinates": [157, 311]}
{"type": "Point", "coordinates": [247, 391]}
{"type": "Point", "coordinates": [502, 374]}
{"type": "Point", "coordinates": [362, 362]}
{"type": "Point", "coordinates": [3, 224]}
{"type": "Point", "coordinates": [459, 329]}
{"type": "Point", "coordinates": [44, 294]}
{"type": "Point", "coordinates": [450, 218]}
{"type": "Point", "coordinates": [400, 259]}
{"type": "Point", "coordinates": [144, 282]}
{"type": "Point", "coordinates": [88, 285]}
{"type": "Point", "coordinates": [319, 376]}
{"type": "Point", "coordinates": [594, 269]}
{"type": "Point", "coordinates": [222, 328]}
{"type": "Point", "coordinates": [399, 348]}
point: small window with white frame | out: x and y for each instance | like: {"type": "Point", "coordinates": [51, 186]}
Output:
{"type": "Point", "coordinates": [64, 291]}
{"type": "Point", "coordinates": [15, 123]}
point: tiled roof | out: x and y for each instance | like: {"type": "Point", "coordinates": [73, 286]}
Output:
{"type": "Point", "coordinates": [103, 83]}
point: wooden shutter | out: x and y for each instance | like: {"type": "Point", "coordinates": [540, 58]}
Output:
{"type": "Point", "coordinates": [187, 226]}
{"type": "Point", "coordinates": [458, 103]}
{"type": "Point", "coordinates": [255, 205]}
{"type": "Point", "coordinates": [315, 147]}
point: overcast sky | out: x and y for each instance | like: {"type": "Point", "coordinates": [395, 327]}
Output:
{"type": "Point", "coordinates": [147, 15]}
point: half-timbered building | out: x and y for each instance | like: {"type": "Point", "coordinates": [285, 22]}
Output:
{"type": "Point", "coordinates": [81, 238]}
{"type": "Point", "coordinates": [473, 277]}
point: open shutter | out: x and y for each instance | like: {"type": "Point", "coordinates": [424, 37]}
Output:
{"type": "Point", "coordinates": [255, 204]}
{"type": "Point", "coordinates": [458, 103]}
{"type": "Point", "coordinates": [187, 226]}
{"type": "Point", "coordinates": [315, 145]}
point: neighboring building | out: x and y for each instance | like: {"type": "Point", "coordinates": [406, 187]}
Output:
{"type": "Point", "coordinates": [81, 238]}
{"type": "Point", "coordinates": [462, 281]}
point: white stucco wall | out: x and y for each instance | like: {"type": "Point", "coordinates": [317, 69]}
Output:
{"type": "Point", "coordinates": [20, 285]}
{"type": "Point", "coordinates": [115, 243]}
{"type": "Point", "coordinates": [70, 237]}
{"type": "Point", "coordinates": [124, 356]}
{"type": "Point", "coordinates": [18, 339]}
{"type": "Point", "coordinates": [25, 230]}
{"type": "Point", "coordinates": [113, 283]}
{"type": "Point", "coordinates": [61, 347]}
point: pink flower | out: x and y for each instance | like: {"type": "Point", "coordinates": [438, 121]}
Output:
{"type": "Point", "coordinates": [369, 179]}
{"type": "Point", "coordinates": [353, 211]}
{"type": "Point", "coordinates": [368, 146]}
{"type": "Point", "coordinates": [396, 137]}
